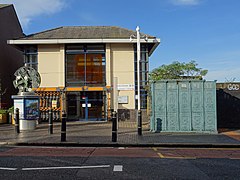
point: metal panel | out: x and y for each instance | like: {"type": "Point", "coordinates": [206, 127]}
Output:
{"type": "Point", "coordinates": [160, 107]}
{"type": "Point", "coordinates": [152, 118]}
{"type": "Point", "coordinates": [183, 106]}
{"type": "Point", "coordinates": [197, 106]}
{"type": "Point", "coordinates": [172, 106]}
{"type": "Point", "coordinates": [210, 106]}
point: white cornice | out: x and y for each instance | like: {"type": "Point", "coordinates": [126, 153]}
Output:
{"type": "Point", "coordinates": [68, 41]}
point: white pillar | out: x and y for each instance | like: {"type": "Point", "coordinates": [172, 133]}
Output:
{"type": "Point", "coordinates": [138, 67]}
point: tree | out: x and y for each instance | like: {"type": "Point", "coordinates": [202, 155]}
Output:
{"type": "Point", "coordinates": [178, 70]}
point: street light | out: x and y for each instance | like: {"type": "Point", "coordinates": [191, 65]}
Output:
{"type": "Point", "coordinates": [138, 76]}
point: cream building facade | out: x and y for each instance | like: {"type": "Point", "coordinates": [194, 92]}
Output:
{"type": "Point", "coordinates": [78, 65]}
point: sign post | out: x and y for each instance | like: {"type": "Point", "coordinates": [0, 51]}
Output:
{"type": "Point", "coordinates": [138, 96]}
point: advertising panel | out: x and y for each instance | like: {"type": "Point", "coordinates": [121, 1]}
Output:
{"type": "Point", "coordinates": [31, 109]}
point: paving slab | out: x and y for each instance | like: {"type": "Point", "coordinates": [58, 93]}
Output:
{"type": "Point", "coordinates": [100, 134]}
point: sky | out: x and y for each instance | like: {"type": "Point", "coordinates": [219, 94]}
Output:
{"type": "Point", "coordinates": [207, 31]}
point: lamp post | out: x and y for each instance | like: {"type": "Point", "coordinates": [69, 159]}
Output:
{"type": "Point", "coordinates": [139, 113]}
{"type": "Point", "coordinates": [138, 67]}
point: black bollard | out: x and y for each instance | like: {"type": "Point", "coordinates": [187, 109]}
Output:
{"type": "Point", "coordinates": [114, 127]}
{"type": "Point", "coordinates": [139, 122]}
{"type": "Point", "coordinates": [17, 128]}
{"type": "Point", "coordinates": [63, 127]}
{"type": "Point", "coordinates": [50, 122]}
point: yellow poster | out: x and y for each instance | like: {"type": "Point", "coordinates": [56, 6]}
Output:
{"type": "Point", "coordinates": [54, 104]}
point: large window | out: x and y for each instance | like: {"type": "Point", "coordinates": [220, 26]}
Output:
{"type": "Point", "coordinates": [143, 76]}
{"type": "Point", "coordinates": [85, 65]}
{"type": "Point", "coordinates": [30, 56]}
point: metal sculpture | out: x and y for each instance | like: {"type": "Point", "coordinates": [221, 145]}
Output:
{"type": "Point", "coordinates": [27, 78]}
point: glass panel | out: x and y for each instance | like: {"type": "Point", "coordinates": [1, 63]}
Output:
{"type": "Point", "coordinates": [95, 48]}
{"type": "Point", "coordinates": [93, 101]}
{"type": "Point", "coordinates": [72, 104]}
{"type": "Point", "coordinates": [29, 50]}
{"type": "Point", "coordinates": [73, 49]}
{"type": "Point", "coordinates": [95, 69]}
{"type": "Point", "coordinates": [75, 70]}
{"type": "Point", "coordinates": [30, 56]}
{"type": "Point", "coordinates": [85, 65]}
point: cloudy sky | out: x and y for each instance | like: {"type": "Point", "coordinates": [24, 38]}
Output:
{"type": "Point", "coordinates": [207, 31]}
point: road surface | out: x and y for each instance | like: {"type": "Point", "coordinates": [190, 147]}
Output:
{"type": "Point", "coordinates": [118, 163]}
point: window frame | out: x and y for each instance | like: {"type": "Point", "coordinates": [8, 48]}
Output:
{"type": "Point", "coordinates": [85, 51]}
{"type": "Point", "coordinates": [30, 56]}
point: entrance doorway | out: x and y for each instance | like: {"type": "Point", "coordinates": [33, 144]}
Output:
{"type": "Point", "coordinates": [86, 106]}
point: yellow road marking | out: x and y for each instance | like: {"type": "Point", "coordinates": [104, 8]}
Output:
{"type": "Point", "coordinates": [160, 155]}
{"type": "Point", "coordinates": [189, 157]}
{"type": "Point", "coordinates": [175, 157]}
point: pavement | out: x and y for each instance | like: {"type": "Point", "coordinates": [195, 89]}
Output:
{"type": "Point", "coordinates": [99, 134]}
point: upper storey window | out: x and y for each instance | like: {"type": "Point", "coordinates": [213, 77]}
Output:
{"type": "Point", "coordinates": [31, 56]}
{"type": "Point", "coordinates": [85, 65]}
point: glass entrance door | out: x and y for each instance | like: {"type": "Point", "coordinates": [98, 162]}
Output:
{"type": "Point", "coordinates": [86, 106]}
{"type": "Point", "coordinates": [92, 106]}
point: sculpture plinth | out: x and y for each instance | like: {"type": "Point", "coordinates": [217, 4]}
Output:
{"type": "Point", "coordinates": [28, 105]}
{"type": "Point", "coordinates": [27, 101]}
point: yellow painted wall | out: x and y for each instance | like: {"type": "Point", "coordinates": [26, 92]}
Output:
{"type": "Point", "coordinates": [51, 65]}
{"type": "Point", "coordinates": [121, 66]}
{"type": "Point", "coordinates": [119, 63]}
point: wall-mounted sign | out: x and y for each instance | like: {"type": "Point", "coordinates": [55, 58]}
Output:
{"type": "Point", "coordinates": [123, 99]}
{"type": "Point", "coordinates": [233, 87]}
{"type": "Point", "coordinates": [125, 87]}
{"type": "Point", "coordinates": [88, 105]}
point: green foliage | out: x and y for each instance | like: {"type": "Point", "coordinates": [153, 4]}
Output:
{"type": "Point", "coordinates": [3, 111]}
{"type": "Point", "coordinates": [178, 70]}
{"type": "Point", "coordinates": [6, 111]}
{"type": "Point", "coordinates": [11, 110]}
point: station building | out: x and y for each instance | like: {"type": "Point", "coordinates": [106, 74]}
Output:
{"type": "Point", "coordinates": [78, 65]}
